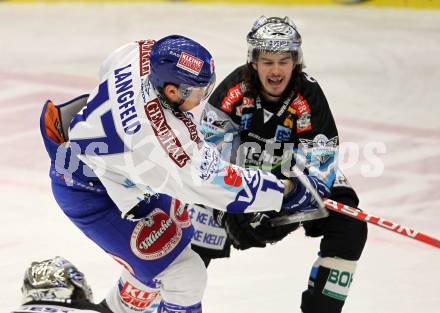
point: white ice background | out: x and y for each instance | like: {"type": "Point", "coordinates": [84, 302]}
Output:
{"type": "Point", "coordinates": [380, 70]}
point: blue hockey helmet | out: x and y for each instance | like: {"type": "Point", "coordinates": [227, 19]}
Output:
{"type": "Point", "coordinates": [183, 62]}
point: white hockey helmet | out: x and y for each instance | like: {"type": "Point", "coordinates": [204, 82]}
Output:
{"type": "Point", "coordinates": [55, 280]}
{"type": "Point", "coordinates": [275, 35]}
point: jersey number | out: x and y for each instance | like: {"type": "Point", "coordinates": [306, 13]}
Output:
{"type": "Point", "coordinates": [111, 142]}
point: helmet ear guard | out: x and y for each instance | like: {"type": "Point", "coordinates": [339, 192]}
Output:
{"type": "Point", "coordinates": [274, 35]}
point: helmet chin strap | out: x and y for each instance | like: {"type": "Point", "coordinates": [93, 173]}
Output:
{"type": "Point", "coordinates": [181, 101]}
{"type": "Point", "coordinates": [176, 105]}
{"type": "Point", "coordinates": [167, 103]}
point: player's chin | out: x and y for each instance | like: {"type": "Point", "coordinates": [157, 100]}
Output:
{"type": "Point", "coordinates": [276, 89]}
{"type": "Point", "coordinates": [276, 92]}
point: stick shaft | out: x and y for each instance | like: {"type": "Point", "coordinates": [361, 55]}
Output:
{"type": "Point", "coordinates": [381, 222]}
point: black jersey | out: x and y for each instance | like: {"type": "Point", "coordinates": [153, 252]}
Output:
{"type": "Point", "coordinates": [267, 131]}
{"type": "Point", "coordinates": [254, 132]}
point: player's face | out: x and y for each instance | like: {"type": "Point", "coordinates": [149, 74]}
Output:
{"type": "Point", "coordinates": [193, 100]}
{"type": "Point", "coordinates": [274, 71]}
{"type": "Point", "coordinates": [187, 99]}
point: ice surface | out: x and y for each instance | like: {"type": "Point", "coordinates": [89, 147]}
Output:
{"type": "Point", "coordinates": [380, 70]}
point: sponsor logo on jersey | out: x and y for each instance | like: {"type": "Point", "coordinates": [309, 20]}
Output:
{"type": "Point", "coordinates": [259, 138]}
{"type": "Point", "coordinates": [125, 98]}
{"type": "Point", "coordinates": [302, 109]}
{"type": "Point", "coordinates": [288, 121]}
{"type": "Point", "coordinates": [190, 63]}
{"type": "Point", "coordinates": [291, 112]}
{"type": "Point", "coordinates": [246, 104]}
{"type": "Point", "coordinates": [192, 128]}
{"type": "Point", "coordinates": [155, 236]}
{"type": "Point", "coordinates": [303, 123]}
{"type": "Point", "coordinates": [208, 233]}
{"type": "Point", "coordinates": [233, 177]}
{"type": "Point", "coordinates": [320, 148]}
{"type": "Point", "coordinates": [282, 133]}
{"type": "Point", "coordinates": [246, 120]}
{"type": "Point", "coordinates": [145, 47]}
{"type": "Point", "coordinates": [164, 134]}
{"type": "Point", "coordinates": [234, 94]}
{"type": "Point", "coordinates": [209, 163]}
{"type": "Point", "coordinates": [179, 213]}
{"type": "Point", "coordinates": [211, 124]}
{"type": "Point", "coordinates": [137, 299]}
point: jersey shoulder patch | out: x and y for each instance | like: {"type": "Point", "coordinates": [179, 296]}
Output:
{"type": "Point", "coordinates": [232, 97]}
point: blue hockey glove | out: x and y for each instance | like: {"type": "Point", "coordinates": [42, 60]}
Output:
{"type": "Point", "coordinates": [300, 198]}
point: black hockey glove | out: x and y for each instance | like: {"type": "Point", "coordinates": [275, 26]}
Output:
{"type": "Point", "coordinates": [252, 230]}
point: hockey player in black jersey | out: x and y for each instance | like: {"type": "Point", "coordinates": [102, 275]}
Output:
{"type": "Point", "coordinates": [259, 114]}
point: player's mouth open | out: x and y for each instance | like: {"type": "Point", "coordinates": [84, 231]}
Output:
{"type": "Point", "coordinates": [274, 81]}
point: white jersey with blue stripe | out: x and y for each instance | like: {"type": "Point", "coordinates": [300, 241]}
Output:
{"type": "Point", "coordinates": [138, 145]}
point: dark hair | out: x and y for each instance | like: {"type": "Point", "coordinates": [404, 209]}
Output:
{"type": "Point", "coordinates": [253, 84]}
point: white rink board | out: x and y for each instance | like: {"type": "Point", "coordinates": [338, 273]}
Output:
{"type": "Point", "coordinates": [380, 70]}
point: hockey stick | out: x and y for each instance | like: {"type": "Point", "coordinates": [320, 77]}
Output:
{"type": "Point", "coordinates": [362, 216]}
{"type": "Point", "coordinates": [302, 216]}
{"type": "Point", "coordinates": [381, 222]}
{"type": "Point", "coordinates": [328, 204]}
{"type": "Point", "coordinates": [351, 212]}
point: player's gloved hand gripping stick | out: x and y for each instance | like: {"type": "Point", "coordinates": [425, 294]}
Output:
{"type": "Point", "coordinates": [328, 204]}
{"type": "Point", "coordinates": [303, 199]}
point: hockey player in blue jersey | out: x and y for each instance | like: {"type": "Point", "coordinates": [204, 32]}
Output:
{"type": "Point", "coordinates": [127, 160]}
